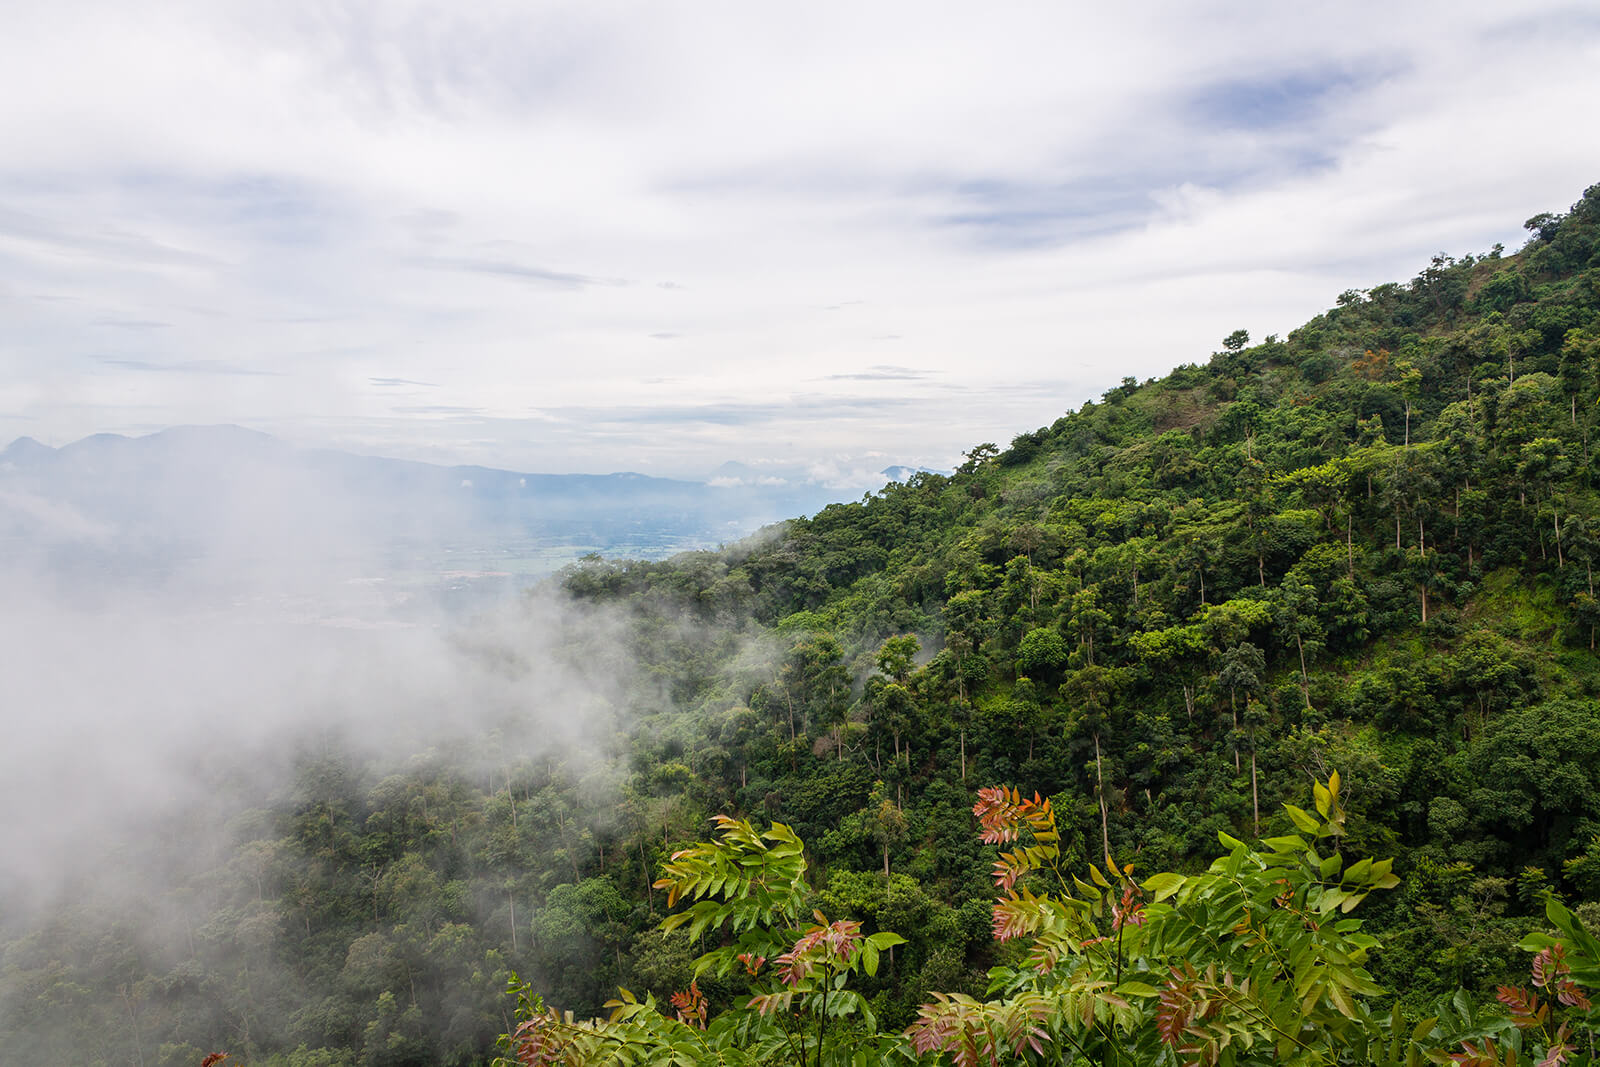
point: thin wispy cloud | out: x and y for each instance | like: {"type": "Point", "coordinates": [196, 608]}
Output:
{"type": "Point", "coordinates": [435, 409]}
{"type": "Point", "coordinates": [882, 373]}
{"type": "Point", "coordinates": [191, 367]}
{"type": "Point", "coordinates": [132, 324]}
{"type": "Point", "coordinates": [558, 279]}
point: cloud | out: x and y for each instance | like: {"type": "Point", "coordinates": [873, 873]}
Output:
{"type": "Point", "coordinates": [518, 271]}
{"type": "Point", "coordinates": [486, 195]}
{"type": "Point", "coordinates": [193, 367]}
{"type": "Point", "coordinates": [133, 324]}
{"type": "Point", "coordinates": [107, 242]}
{"type": "Point", "coordinates": [882, 372]}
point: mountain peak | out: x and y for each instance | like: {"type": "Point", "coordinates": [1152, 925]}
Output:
{"type": "Point", "coordinates": [26, 446]}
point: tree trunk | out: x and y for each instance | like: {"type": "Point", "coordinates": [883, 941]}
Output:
{"type": "Point", "coordinates": [1255, 795]}
{"type": "Point", "coordinates": [1305, 676]}
{"type": "Point", "coordinates": [1100, 787]}
{"type": "Point", "coordinates": [133, 1021]}
{"type": "Point", "coordinates": [1233, 709]}
{"type": "Point", "coordinates": [644, 865]}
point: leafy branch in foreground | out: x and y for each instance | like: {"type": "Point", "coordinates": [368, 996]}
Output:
{"type": "Point", "coordinates": [1254, 960]}
{"type": "Point", "coordinates": [749, 888]}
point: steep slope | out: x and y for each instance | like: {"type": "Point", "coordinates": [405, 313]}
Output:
{"type": "Point", "coordinates": [1369, 545]}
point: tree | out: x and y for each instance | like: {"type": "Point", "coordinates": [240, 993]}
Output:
{"type": "Point", "coordinates": [1298, 611]}
{"type": "Point", "coordinates": [1236, 340]}
{"type": "Point", "coordinates": [1041, 650]}
{"type": "Point", "coordinates": [1091, 691]}
{"type": "Point", "coordinates": [897, 657]}
{"type": "Point", "coordinates": [1243, 667]}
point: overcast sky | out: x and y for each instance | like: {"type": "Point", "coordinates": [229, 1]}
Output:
{"type": "Point", "coordinates": [655, 237]}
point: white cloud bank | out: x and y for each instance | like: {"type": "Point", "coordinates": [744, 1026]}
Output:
{"type": "Point", "coordinates": [598, 236]}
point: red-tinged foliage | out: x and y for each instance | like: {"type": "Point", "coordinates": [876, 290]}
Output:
{"type": "Point", "coordinates": [975, 1033]}
{"type": "Point", "coordinates": [751, 963]}
{"type": "Point", "coordinates": [765, 1003]}
{"type": "Point", "coordinates": [534, 1042]}
{"type": "Point", "coordinates": [840, 939]}
{"type": "Point", "coordinates": [214, 1059]}
{"type": "Point", "coordinates": [1015, 916]}
{"type": "Point", "coordinates": [1549, 965]}
{"type": "Point", "coordinates": [1560, 1049]}
{"type": "Point", "coordinates": [1531, 1013]}
{"type": "Point", "coordinates": [692, 1006]}
{"type": "Point", "coordinates": [1129, 911]}
{"type": "Point", "coordinates": [1571, 994]}
{"type": "Point", "coordinates": [1175, 1010]}
{"type": "Point", "coordinates": [1485, 1054]}
{"type": "Point", "coordinates": [1007, 869]}
{"type": "Point", "coordinates": [1002, 813]}
{"type": "Point", "coordinates": [1526, 1011]}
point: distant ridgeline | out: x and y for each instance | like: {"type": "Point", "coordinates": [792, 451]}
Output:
{"type": "Point", "coordinates": [1367, 547]}
{"type": "Point", "coordinates": [144, 508]}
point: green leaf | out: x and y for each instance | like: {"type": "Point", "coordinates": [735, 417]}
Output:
{"type": "Point", "coordinates": [1330, 899]}
{"type": "Point", "coordinates": [1163, 885]}
{"type": "Point", "coordinates": [1289, 843]}
{"type": "Point", "coordinates": [1302, 819]}
{"type": "Point", "coordinates": [1138, 989]}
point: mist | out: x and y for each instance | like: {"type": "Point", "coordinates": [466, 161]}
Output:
{"type": "Point", "coordinates": [182, 675]}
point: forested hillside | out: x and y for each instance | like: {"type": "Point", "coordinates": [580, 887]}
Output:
{"type": "Point", "coordinates": [1366, 548]}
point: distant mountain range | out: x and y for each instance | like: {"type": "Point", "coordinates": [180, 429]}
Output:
{"type": "Point", "coordinates": [231, 496]}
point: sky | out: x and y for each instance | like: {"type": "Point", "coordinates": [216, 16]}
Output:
{"type": "Point", "coordinates": [819, 238]}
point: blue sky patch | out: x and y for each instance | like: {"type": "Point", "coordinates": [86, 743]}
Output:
{"type": "Point", "coordinates": [1267, 103]}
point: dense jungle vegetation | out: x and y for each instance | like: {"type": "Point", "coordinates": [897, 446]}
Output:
{"type": "Point", "coordinates": [1366, 548]}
